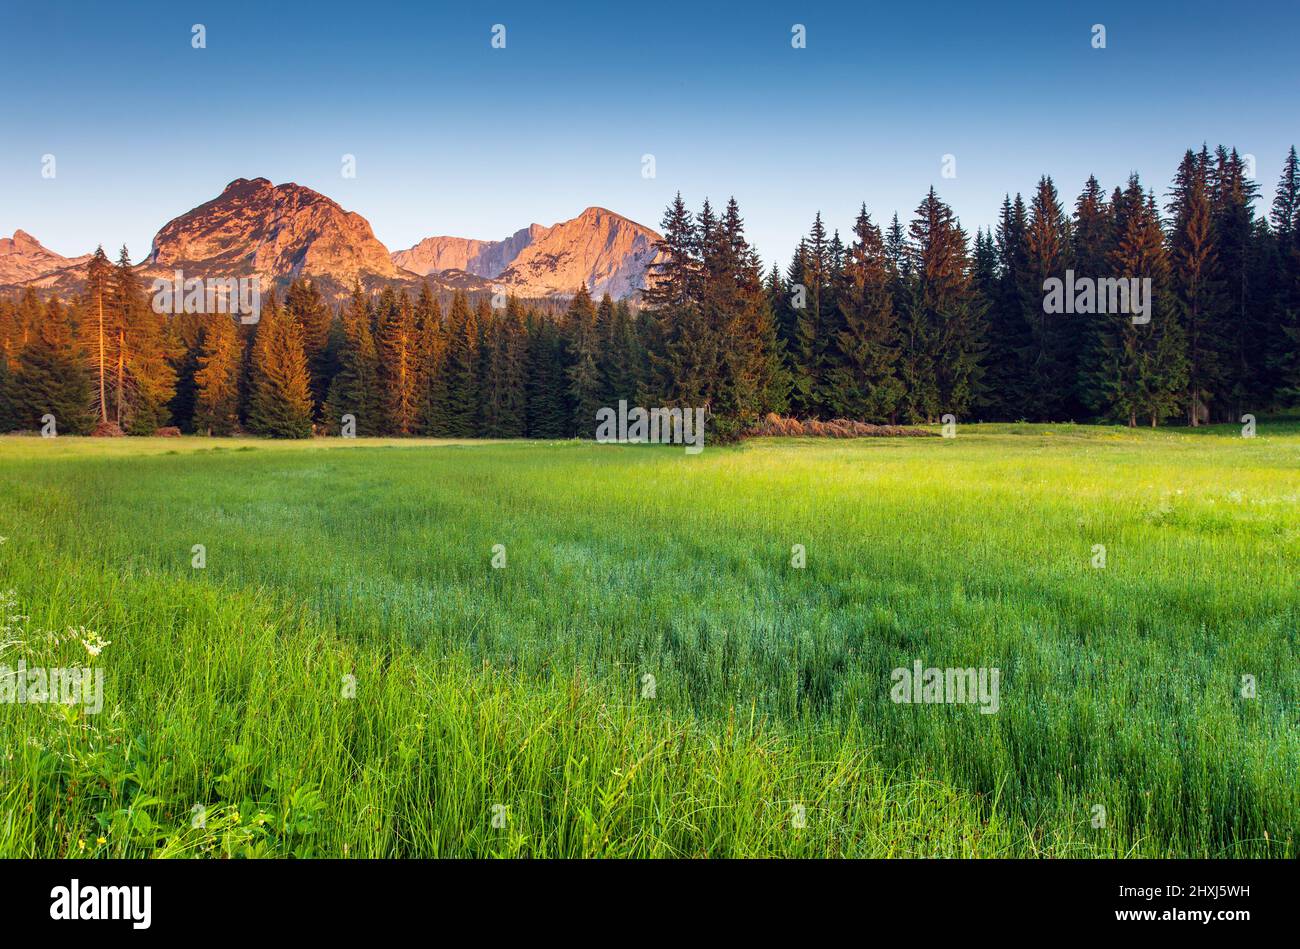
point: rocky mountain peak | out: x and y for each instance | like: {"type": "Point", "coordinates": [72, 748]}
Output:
{"type": "Point", "coordinates": [23, 258]}
{"type": "Point", "coordinates": [604, 250]}
{"type": "Point", "coordinates": [275, 231]}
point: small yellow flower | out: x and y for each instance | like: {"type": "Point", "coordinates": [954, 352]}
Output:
{"type": "Point", "coordinates": [81, 845]}
{"type": "Point", "coordinates": [101, 841]}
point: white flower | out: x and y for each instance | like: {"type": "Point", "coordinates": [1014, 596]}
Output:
{"type": "Point", "coordinates": [94, 645]}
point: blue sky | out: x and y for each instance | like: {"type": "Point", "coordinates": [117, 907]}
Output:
{"type": "Point", "coordinates": [452, 136]}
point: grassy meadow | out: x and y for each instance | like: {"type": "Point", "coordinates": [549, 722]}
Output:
{"type": "Point", "coordinates": [648, 675]}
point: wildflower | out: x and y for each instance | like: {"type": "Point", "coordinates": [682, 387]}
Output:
{"type": "Point", "coordinates": [81, 845]}
{"type": "Point", "coordinates": [93, 643]}
{"type": "Point", "coordinates": [101, 841]}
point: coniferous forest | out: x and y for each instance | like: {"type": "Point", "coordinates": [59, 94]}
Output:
{"type": "Point", "coordinates": [895, 322]}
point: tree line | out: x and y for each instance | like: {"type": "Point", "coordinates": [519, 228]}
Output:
{"type": "Point", "coordinates": [893, 325]}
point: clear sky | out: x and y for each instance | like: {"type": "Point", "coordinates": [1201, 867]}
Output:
{"type": "Point", "coordinates": [452, 136]}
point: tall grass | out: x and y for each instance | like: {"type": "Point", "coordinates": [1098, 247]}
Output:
{"type": "Point", "coordinates": [508, 711]}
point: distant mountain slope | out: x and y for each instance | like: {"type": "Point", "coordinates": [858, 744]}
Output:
{"type": "Point", "coordinates": [24, 258]}
{"type": "Point", "coordinates": [277, 232]}
{"type": "Point", "coordinates": [287, 231]}
{"type": "Point", "coordinates": [604, 250]}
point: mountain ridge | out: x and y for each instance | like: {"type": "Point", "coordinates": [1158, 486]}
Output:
{"type": "Point", "coordinates": [289, 231]}
{"type": "Point", "coordinates": [606, 251]}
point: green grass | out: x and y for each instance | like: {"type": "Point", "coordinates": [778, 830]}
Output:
{"type": "Point", "coordinates": [519, 691]}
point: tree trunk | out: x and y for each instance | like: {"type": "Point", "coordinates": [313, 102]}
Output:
{"type": "Point", "coordinates": [103, 398]}
{"type": "Point", "coordinates": [121, 358]}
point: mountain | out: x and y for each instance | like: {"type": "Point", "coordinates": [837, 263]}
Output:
{"type": "Point", "coordinates": [278, 232]}
{"type": "Point", "coordinates": [607, 251]}
{"type": "Point", "coordinates": [281, 232]}
{"type": "Point", "coordinates": [24, 258]}
{"type": "Point", "coordinates": [482, 258]}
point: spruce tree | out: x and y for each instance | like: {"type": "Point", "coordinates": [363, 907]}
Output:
{"type": "Point", "coordinates": [280, 403]}
{"type": "Point", "coordinates": [1009, 339]}
{"type": "Point", "coordinates": [8, 414]}
{"type": "Point", "coordinates": [431, 359]}
{"type": "Point", "coordinates": [586, 391]}
{"type": "Point", "coordinates": [144, 381]}
{"type": "Point", "coordinates": [621, 355]}
{"type": "Point", "coordinates": [1232, 197]}
{"type": "Point", "coordinates": [1284, 334]}
{"type": "Point", "coordinates": [1142, 373]}
{"type": "Point", "coordinates": [216, 409]}
{"type": "Point", "coordinates": [1093, 241]}
{"type": "Point", "coordinates": [505, 380]}
{"type": "Point", "coordinates": [355, 389]}
{"type": "Point", "coordinates": [463, 369]}
{"type": "Point", "coordinates": [1197, 295]}
{"type": "Point", "coordinates": [942, 326]}
{"type": "Point", "coordinates": [863, 385]}
{"type": "Point", "coordinates": [50, 379]}
{"type": "Point", "coordinates": [99, 329]}
{"type": "Point", "coordinates": [1047, 363]}
{"type": "Point", "coordinates": [397, 354]}
{"type": "Point", "coordinates": [307, 308]}
{"type": "Point", "coordinates": [811, 319]}
{"type": "Point", "coordinates": [547, 410]}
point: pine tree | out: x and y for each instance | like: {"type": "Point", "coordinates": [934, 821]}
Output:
{"type": "Point", "coordinates": [863, 384]}
{"type": "Point", "coordinates": [307, 308]}
{"type": "Point", "coordinates": [431, 360]}
{"type": "Point", "coordinates": [605, 350]}
{"type": "Point", "coordinates": [987, 282]}
{"type": "Point", "coordinates": [620, 353]}
{"type": "Point", "coordinates": [398, 374]}
{"type": "Point", "coordinates": [463, 368]}
{"type": "Point", "coordinates": [10, 331]}
{"type": "Point", "coordinates": [1196, 292]}
{"type": "Point", "coordinates": [144, 380]}
{"type": "Point", "coordinates": [811, 329]}
{"type": "Point", "coordinates": [186, 340]}
{"type": "Point", "coordinates": [942, 328]}
{"type": "Point", "coordinates": [585, 385]}
{"type": "Point", "coordinates": [99, 326]}
{"type": "Point", "coordinates": [1284, 334]}
{"type": "Point", "coordinates": [1142, 373]}
{"type": "Point", "coordinates": [216, 409]}
{"type": "Point", "coordinates": [1093, 239]}
{"type": "Point", "coordinates": [49, 378]}
{"type": "Point", "coordinates": [1047, 363]}
{"type": "Point", "coordinates": [751, 375]}
{"type": "Point", "coordinates": [355, 389]}
{"type": "Point", "coordinates": [506, 412]}
{"type": "Point", "coordinates": [8, 411]}
{"type": "Point", "coordinates": [1232, 197]}
{"type": "Point", "coordinates": [673, 278]}
{"type": "Point", "coordinates": [547, 409]}
{"type": "Point", "coordinates": [280, 404]}
{"type": "Point", "coordinates": [791, 308]}
{"type": "Point", "coordinates": [1006, 395]}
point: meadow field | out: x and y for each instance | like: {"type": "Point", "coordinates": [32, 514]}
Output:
{"type": "Point", "coordinates": [644, 672]}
